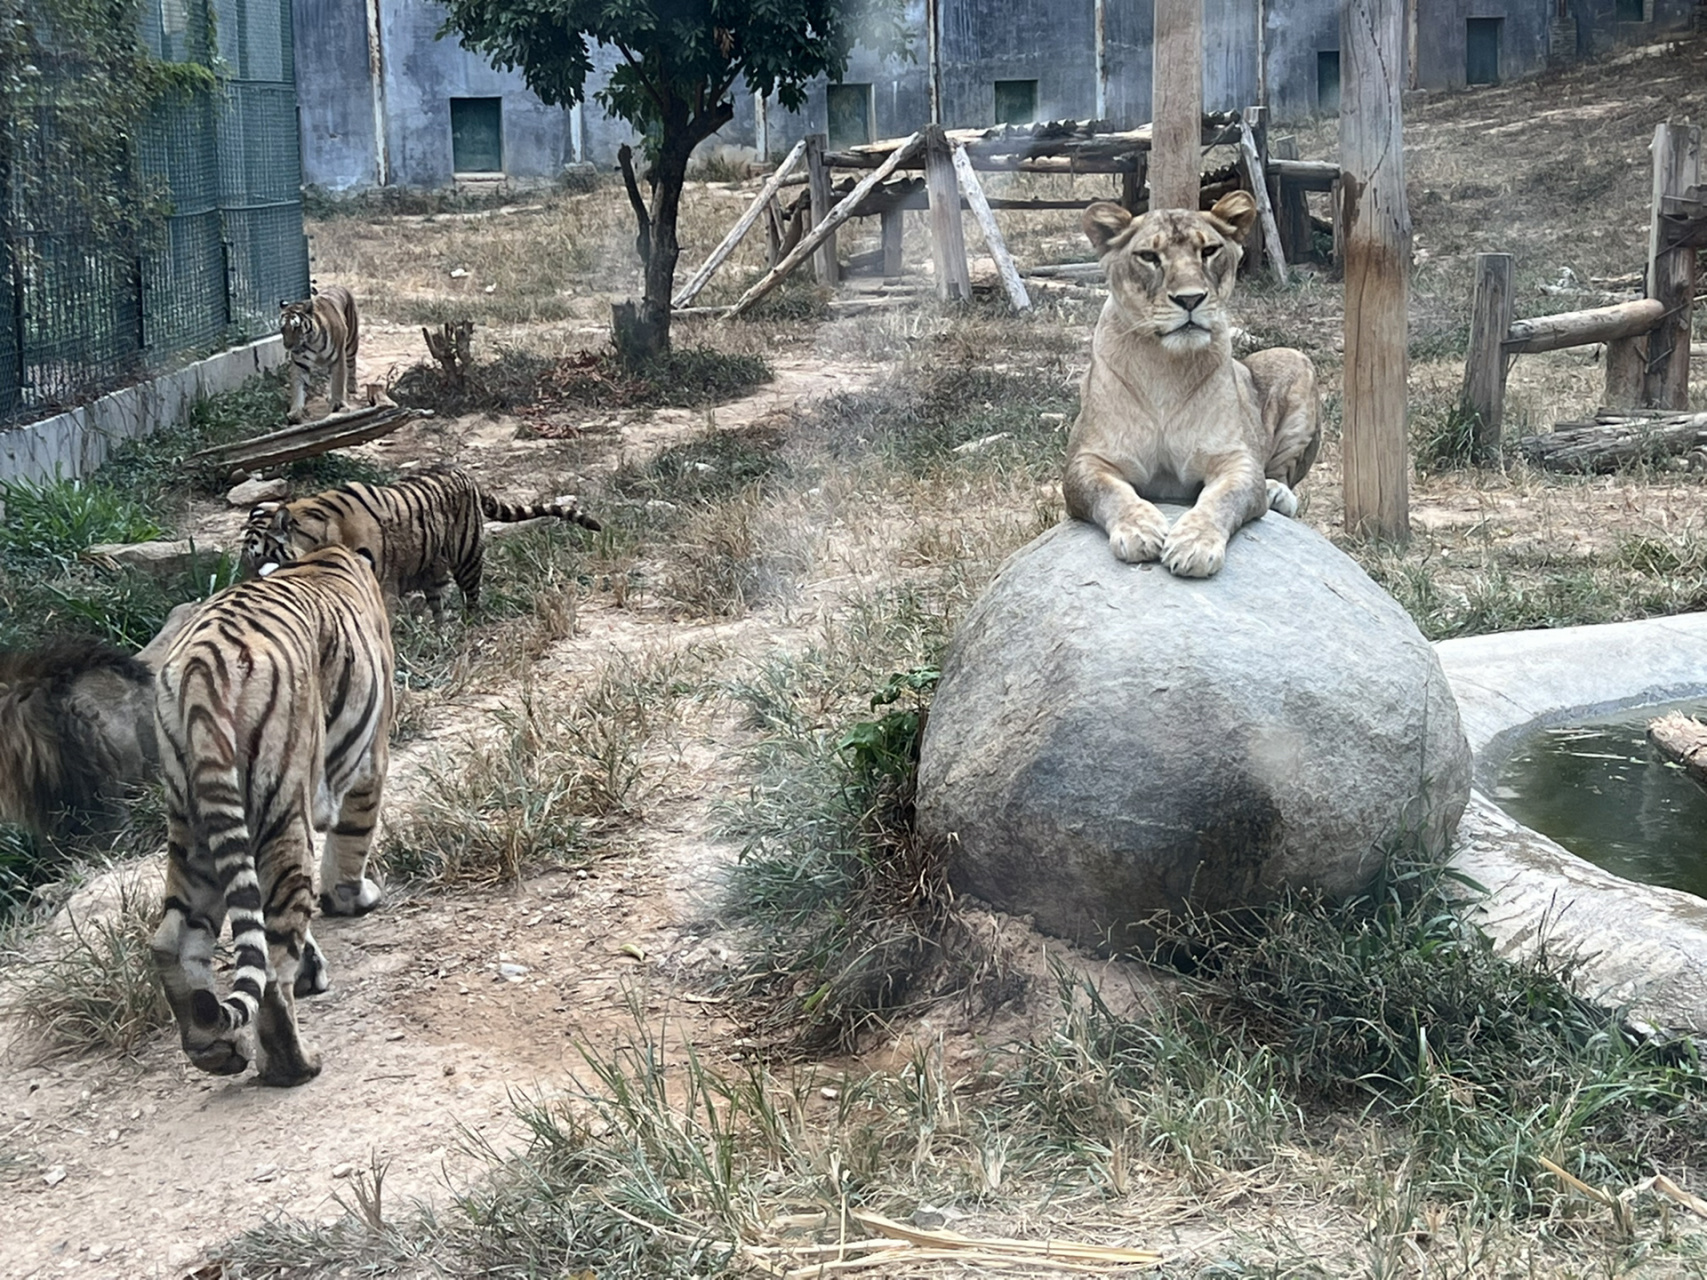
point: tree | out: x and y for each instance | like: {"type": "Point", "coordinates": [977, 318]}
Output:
{"type": "Point", "coordinates": [680, 61]}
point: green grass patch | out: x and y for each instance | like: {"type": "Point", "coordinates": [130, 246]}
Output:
{"type": "Point", "coordinates": [52, 524]}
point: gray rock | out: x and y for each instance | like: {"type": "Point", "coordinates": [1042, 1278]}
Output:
{"type": "Point", "coordinates": [158, 559]}
{"type": "Point", "coordinates": [1109, 741]}
{"type": "Point", "coordinates": [256, 490]}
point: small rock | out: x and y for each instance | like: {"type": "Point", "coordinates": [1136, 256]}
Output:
{"type": "Point", "coordinates": [250, 492]}
{"type": "Point", "coordinates": [158, 559]}
{"type": "Point", "coordinates": [830, 1092]}
{"type": "Point", "coordinates": [491, 288]}
{"type": "Point", "coordinates": [459, 274]}
{"type": "Point", "coordinates": [393, 1035]}
{"type": "Point", "coordinates": [343, 1170]}
{"type": "Point", "coordinates": [264, 1173]}
{"type": "Point", "coordinates": [512, 972]}
{"type": "Point", "coordinates": [54, 1176]}
{"type": "Point", "coordinates": [450, 1068]}
{"type": "Point", "coordinates": [1053, 419]}
{"type": "Point", "coordinates": [97, 1252]}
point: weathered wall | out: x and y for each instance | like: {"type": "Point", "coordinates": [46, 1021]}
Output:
{"type": "Point", "coordinates": [1441, 39]}
{"type": "Point", "coordinates": [1599, 32]}
{"type": "Point", "coordinates": [334, 94]}
{"type": "Point", "coordinates": [1295, 35]}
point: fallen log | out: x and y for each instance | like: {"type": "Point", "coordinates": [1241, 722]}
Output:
{"type": "Point", "coordinates": [1683, 739]}
{"type": "Point", "coordinates": [1579, 328]}
{"type": "Point", "coordinates": [337, 431]}
{"type": "Point", "coordinates": [1614, 440]}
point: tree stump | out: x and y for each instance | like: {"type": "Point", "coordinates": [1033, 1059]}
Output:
{"type": "Point", "coordinates": [1683, 739]}
{"type": "Point", "coordinates": [452, 346]}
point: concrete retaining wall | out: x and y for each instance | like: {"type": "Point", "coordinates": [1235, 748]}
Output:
{"type": "Point", "coordinates": [75, 443]}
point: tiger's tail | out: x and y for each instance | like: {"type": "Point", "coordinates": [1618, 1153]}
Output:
{"type": "Point", "coordinates": [216, 797]}
{"type": "Point", "coordinates": [567, 508]}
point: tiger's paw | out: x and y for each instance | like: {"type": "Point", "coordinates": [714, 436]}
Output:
{"type": "Point", "coordinates": [1282, 499]}
{"type": "Point", "coordinates": [286, 1071]}
{"type": "Point", "coordinates": [1140, 539]}
{"type": "Point", "coordinates": [296, 415]}
{"type": "Point", "coordinates": [1194, 549]}
{"type": "Point", "coordinates": [313, 975]}
{"type": "Point", "coordinates": [352, 898]}
{"type": "Point", "coordinates": [220, 1058]}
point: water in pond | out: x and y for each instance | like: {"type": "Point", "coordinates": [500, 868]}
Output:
{"type": "Point", "coordinates": [1601, 790]}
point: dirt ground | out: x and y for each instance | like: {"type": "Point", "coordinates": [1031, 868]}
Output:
{"type": "Point", "coordinates": [445, 1007]}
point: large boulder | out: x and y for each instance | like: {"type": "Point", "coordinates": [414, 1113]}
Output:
{"type": "Point", "coordinates": [1109, 741]}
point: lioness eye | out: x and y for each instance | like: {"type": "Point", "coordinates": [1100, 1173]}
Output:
{"type": "Point", "coordinates": [1150, 257]}
{"type": "Point", "coordinates": [1210, 250]}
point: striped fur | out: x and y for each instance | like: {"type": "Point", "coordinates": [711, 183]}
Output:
{"type": "Point", "coordinates": [272, 711]}
{"type": "Point", "coordinates": [423, 532]}
{"type": "Point", "coordinates": [320, 335]}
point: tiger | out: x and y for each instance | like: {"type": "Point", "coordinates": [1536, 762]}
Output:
{"type": "Point", "coordinates": [423, 532]}
{"type": "Point", "coordinates": [318, 333]}
{"type": "Point", "coordinates": [272, 710]}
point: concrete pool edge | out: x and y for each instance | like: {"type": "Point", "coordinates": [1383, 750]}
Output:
{"type": "Point", "coordinates": [1637, 944]}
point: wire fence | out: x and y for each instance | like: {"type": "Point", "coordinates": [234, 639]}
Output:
{"type": "Point", "coordinates": [182, 238]}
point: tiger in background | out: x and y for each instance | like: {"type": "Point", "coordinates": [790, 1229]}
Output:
{"type": "Point", "coordinates": [321, 333]}
{"type": "Point", "coordinates": [423, 532]}
{"type": "Point", "coordinates": [272, 710]}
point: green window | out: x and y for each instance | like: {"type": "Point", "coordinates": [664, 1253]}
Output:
{"type": "Point", "coordinates": [477, 135]}
{"type": "Point", "coordinates": [1016, 101]}
{"type": "Point", "coordinates": [1482, 50]}
{"type": "Point", "coordinates": [1328, 81]}
{"type": "Point", "coordinates": [849, 109]}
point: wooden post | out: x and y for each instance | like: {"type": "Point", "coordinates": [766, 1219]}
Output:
{"type": "Point", "coordinates": [992, 233]}
{"type": "Point", "coordinates": [1251, 119]}
{"type": "Point", "coordinates": [1292, 206]}
{"type": "Point", "coordinates": [1377, 269]}
{"type": "Point", "coordinates": [1267, 236]}
{"type": "Point", "coordinates": [1177, 149]}
{"type": "Point", "coordinates": [1626, 372]}
{"type": "Point", "coordinates": [948, 240]}
{"type": "Point", "coordinates": [893, 222]}
{"type": "Point", "coordinates": [1671, 268]}
{"type": "Point", "coordinates": [1336, 211]}
{"type": "Point", "coordinates": [818, 183]}
{"type": "Point", "coordinates": [761, 202]}
{"type": "Point", "coordinates": [1485, 362]}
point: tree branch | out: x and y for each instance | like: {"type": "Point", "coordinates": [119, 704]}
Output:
{"type": "Point", "coordinates": [639, 66]}
{"type": "Point", "coordinates": [642, 240]}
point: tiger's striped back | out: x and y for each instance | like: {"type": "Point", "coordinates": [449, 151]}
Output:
{"type": "Point", "coordinates": [424, 532]}
{"type": "Point", "coordinates": [272, 711]}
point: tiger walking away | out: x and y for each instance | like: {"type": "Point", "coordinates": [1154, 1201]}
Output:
{"type": "Point", "coordinates": [424, 532]}
{"type": "Point", "coordinates": [273, 710]}
{"type": "Point", "coordinates": [320, 336]}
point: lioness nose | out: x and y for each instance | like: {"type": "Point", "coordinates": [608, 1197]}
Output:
{"type": "Point", "coordinates": [1187, 301]}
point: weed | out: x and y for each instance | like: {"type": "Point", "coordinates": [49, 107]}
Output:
{"type": "Point", "coordinates": [94, 988]}
{"type": "Point", "coordinates": [125, 607]}
{"type": "Point", "coordinates": [710, 467]}
{"type": "Point", "coordinates": [53, 523]}
{"type": "Point", "coordinates": [1445, 441]}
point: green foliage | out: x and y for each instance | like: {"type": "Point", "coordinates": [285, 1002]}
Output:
{"type": "Point", "coordinates": [889, 746]}
{"type": "Point", "coordinates": [1445, 441]}
{"type": "Point", "coordinates": [53, 523]}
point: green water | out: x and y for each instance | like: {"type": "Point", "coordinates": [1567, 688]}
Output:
{"type": "Point", "coordinates": [1603, 792]}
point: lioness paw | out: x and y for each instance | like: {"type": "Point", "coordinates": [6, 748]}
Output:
{"type": "Point", "coordinates": [1282, 499]}
{"type": "Point", "coordinates": [1194, 550]}
{"type": "Point", "coordinates": [1137, 541]}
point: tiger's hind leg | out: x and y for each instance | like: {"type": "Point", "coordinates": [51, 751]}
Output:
{"type": "Point", "coordinates": [182, 950]}
{"type": "Point", "coordinates": [289, 898]}
{"type": "Point", "coordinates": [342, 382]}
{"type": "Point", "coordinates": [313, 974]}
{"type": "Point", "coordinates": [345, 889]}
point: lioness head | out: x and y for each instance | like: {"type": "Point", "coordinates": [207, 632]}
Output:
{"type": "Point", "coordinates": [1171, 270]}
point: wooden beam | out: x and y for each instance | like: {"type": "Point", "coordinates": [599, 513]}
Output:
{"type": "Point", "coordinates": [992, 233]}
{"type": "Point", "coordinates": [1177, 77]}
{"type": "Point", "coordinates": [738, 232]}
{"type": "Point", "coordinates": [1485, 361]}
{"type": "Point", "coordinates": [948, 240]}
{"type": "Point", "coordinates": [823, 231]}
{"type": "Point", "coordinates": [1671, 268]}
{"type": "Point", "coordinates": [818, 183]}
{"type": "Point", "coordinates": [1251, 165]}
{"type": "Point", "coordinates": [1377, 269]}
{"type": "Point", "coordinates": [1580, 328]}
{"type": "Point", "coordinates": [310, 439]}
{"type": "Point", "coordinates": [1309, 175]}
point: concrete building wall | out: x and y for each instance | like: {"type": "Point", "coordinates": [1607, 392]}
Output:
{"type": "Point", "coordinates": [1441, 44]}
{"type": "Point", "coordinates": [1294, 37]}
{"type": "Point", "coordinates": [1599, 30]}
{"type": "Point", "coordinates": [334, 94]}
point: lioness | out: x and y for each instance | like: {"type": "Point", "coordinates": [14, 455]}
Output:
{"type": "Point", "coordinates": [1167, 414]}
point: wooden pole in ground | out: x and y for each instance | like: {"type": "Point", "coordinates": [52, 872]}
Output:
{"type": "Point", "coordinates": [948, 240]}
{"type": "Point", "coordinates": [1177, 146]}
{"type": "Point", "coordinates": [893, 224]}
{"type": "Point", "coordinates": [992, 233]}
{"type": "Point", "coordinates": [738, 232]}
{"type": "Point", "coordinates": [818, 183]}
{"type": "Point", "coordinates": [827, 227]}
{"type": "Point", "coordinates": [1484, 363]}
{"type": "Point", "coordinates": [1256, 177]}
{"type": "Point", "coordinates": [1377, 269]}
{"type": "Point", "coordinates": [1671, 268]}
{"type": "Point", "coordinates": [1293, 210]}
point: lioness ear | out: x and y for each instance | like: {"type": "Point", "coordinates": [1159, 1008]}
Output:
{"type": "Point", "coordinates": [1104, 220]}
{"type": "Point", "coordinates": [1237, 211]}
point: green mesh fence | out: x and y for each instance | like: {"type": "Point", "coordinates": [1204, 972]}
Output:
{"type": "Point", "coordinates": [183, 236]}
